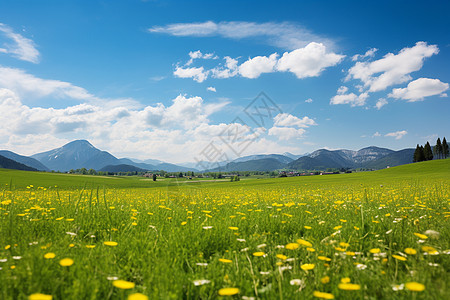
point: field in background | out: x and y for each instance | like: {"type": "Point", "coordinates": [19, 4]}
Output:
{"type": "Point", "coordinates": [371, 235]}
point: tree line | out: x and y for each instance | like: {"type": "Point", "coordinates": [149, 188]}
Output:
{"type": "Point", "coordinates": [426, 152]}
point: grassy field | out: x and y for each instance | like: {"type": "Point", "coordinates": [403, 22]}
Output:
{"type": "Point", "coordinates": [371, 235]}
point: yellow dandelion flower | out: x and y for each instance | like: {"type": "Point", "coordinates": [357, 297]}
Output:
{"type": "Point", "coordinates": [66, 262]}
{"type": "Point", "coordinates": [307, 267]}
{"type": "Point", "coordinates": [345, 280]}
{"type": "Point", "coordinates": [410, 251]}
{"type": "Point", "coordinates": [292, 246]}
{"type": "Point", "coordinates": [7, 247]}
{"type": "Point", "coordinates": [375, 250]}
{"type": "Point", "coordinates": [137, 296]}
{"type": "Point", "coordinates": [233, 228]}
{"type": "Point", "coordinates": [420, 236]}
{"type": "Point", "coordinates": [344, 245]}
{"type": "Point", "coordinates": [90, 246]}
{"type": "Point", "coordinates": [134, 223]}
{"type": "Point", "coordinates": [415, 286]}
{"type": "Point", "coordinates": [349, 286]}
{"type": "Point", "coordinates": [310, 249]}
{"type": "Point", "coordinates": [226, 261]}
{"type": "Point", "coordinates": [323, 295]}
{"type": "Point", "coordinates": [123, 284]}
{"type": "Point", "coordinates": [39, 296]}
{"type": "Point", "coordinates": [337, 227]}
{"type": "Point", "coordinates": [324, 258]}
{"type": "Point", "coordinates": [307, 227]}
{"type": "Point", "coordinates": [71, 245]}
{"type": "Point", "coordinates": [281, 256]}
{"type": "Point", "coordinates": [110, 243]}
{"type": "Point", "coordinates": [429, 250]}
{"type": "Point", "coordinates": [304, 243]}
{"type": "Point", "coordinates": [228, 291]}
{"type": "Point", "coordinates": [325, 279]}
{"type": "Point", "coordinates": [398, 257]}
{"type": "Point", "coordinates": [49, 255]}
{"type": "Point", "coordinates": [258, 254]}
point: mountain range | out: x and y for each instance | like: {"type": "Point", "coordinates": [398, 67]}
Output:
{"type": "Point", "coordinates": [82, 154]}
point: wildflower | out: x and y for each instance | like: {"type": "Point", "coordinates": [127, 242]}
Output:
{"type": "Point", "coordinates": [202, 264]}
{"type": "Point", "coordinates": [349, 286]}
{"type": "Point", "coordinates": [410, 251]}
{"type": "Point", "coordinates": [49, 255]}
{"type": "Point", "coordinates": [310, 249]}
{"type": "Point", "coordinates": [323, 295]}
{"type": "Point", "coordinates": [296, 282]}
{"type": "Point", "coordinates": [281, 256]}
{"type": "Point", "coordinates": [226, 261]}
{"type": "Point", "coordinates": [375, 250]}
{"type": "Point", "coordinates": [361, 266]}
{"type": "Point", "coordinates": [241, 240]}
{"type": "Point", "coordinates": [207, 227]}
{"type": "Point", "coordinates": [39, 296]}
{"type": "Point", "coordinates": [137, 296]}
{"type": "Point", "coordinates": [123, 284]}
{"type": "Point", "coordinates": [398, 257]}
{"type": "Point", "coordinates": [397, 287]}
{"type": "Point", "coordinates": [325, 279]}
{"type": "Point", "coordinates": [324, 258]}
{"type": "Point", "coordinates": [421, 236]}
{"type": "Point", "coordinates": [432, 234]}
{"type": "Point", "coordinates": [110, 243]}
{"type": "Point", "coordinates": [415, 286]}
{"type": "Point", "coordinates": [233, 228]}
{"type": "Point", "coordinates": [201, 282]}
{"type": "Point", "coordinates": [228, 291]}
{"type": "Point", "coordinates": [304, 243]}
{"type": "Point", "coordinates": [307, 267]}
{"type": "Point", "coordinates": [429, 250]}
{"type": "Point", "coordinates": [66, 262]}
{"type": "Point", "coordinates": [292, 246]}
{"type": "Point", "coordinates": [183, 223]}
{"type": "Point", "coordinates": [90, 246]}
{"type": "Point", "coordinates": [345, 280]}
{"type": "Point", "coordinates": [259, 254]}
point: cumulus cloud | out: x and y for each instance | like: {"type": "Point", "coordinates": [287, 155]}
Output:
{"type": "Point", "coordinates": [254, 67]}
{"type": "Point", "coordinates": [351, 98]}
{"type": "Point", "coordinates": [286, 133]}
{"type": "Point", "coordinates": [376, 134]}
{"type": "Point", "coordinates": [309, 61]}
{"type": "Point", "coordinates": [198, 74]}
{"type": "Point", "coordinates": [199, 55]}
{"type": "Point", "coordinates": [420, 88]}
{"type": "Point", "coordinates": [369, 54]}
{"type": "Point", "coordinates": [211, 89]}
{"type": "Point", "coordinates": [20, 46]}
{"type": "Point", "coordinates": [288, 120]}
{"type": "Point", "coordinates": [397, 135]}
{"type": "Point", "coordinates": [286, 35]}
{"type": "Point", "coordinates": [380, 103]}
{"type": "Point", "coordinates": [309, 100]}
{"type": "Point", "coordinates": [392, 68]}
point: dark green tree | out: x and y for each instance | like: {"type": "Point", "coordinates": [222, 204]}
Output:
{"type": "Point", "coordinates": [445, 151]}
{"type": "Point", "coordinates": [438, 148]}
{"type": "Point", "coordinates": [154, 177]}
{"type": "Point", "coordinates": [416, 154]}
{"type": "Point", "coordinates": [427, 152]}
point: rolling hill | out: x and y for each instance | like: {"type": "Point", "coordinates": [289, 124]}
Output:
{"type": "Point", "coordinates": [28, 161]}
{"type": "Point", "coordinates": [7, 163]}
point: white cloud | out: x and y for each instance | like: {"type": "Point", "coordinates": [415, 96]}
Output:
{"type": "Point", "coordinates": [392, 68]}
{"type": "Point", "coordinates": [420, 88]}
{"type": "Point", "coordinates": [309, 100]}
{"type": "Point", "coordinates": [198, 74]}
{"type": "Point", "coordinates": [27, 85]}
{"type": "Point", "coordinates": [285, 35]}
{"type": "Point", "coordinates": [309, 61]}
{"type": "Point", "coordinates": [288, 120]}
{"type": "Point", "coordinates": [286, 133]}
{"type": "Point", "coordinates": [380, 103]}
{"type": "Point", "coordinates": [199, 55]}
{"type": "Point", "coordinates": [352, 99]}
{"type": "Point", "coordinates": [369, 54]}
{"type": "Point", "coordinates": [211, 89]}
{"type": "Point", "coordinates": [398, 134]}
{"type": "Point", "coordinates": [229, 70]}
{"type": "Point", "coordinates": [21, 47]}
{"type": "Point", "coordinates": [376, 134]}
{"type": "Point", "coordinates": [254, 67]}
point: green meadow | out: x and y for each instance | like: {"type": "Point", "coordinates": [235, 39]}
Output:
{"type": "Point", "coordinates": [369, 235]}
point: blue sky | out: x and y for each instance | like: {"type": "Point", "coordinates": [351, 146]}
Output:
{"type": "Point", "coordinates": [167, 79]}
